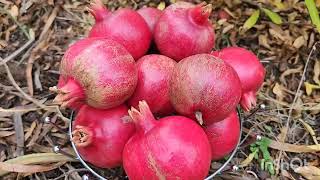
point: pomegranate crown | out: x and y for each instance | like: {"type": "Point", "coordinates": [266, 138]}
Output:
{"type": "Point", "coordinates": [143, 119]}
{"type": "Point", "coordinates": [98, 10]}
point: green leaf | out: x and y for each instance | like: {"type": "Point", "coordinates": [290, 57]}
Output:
{"type": "Point", "coordinates": [264, 142]}
{"type": "Point", "coordinates": [274, 17]}
{"type": "Point", "coordinates": [256, 156]}
{"type": "Point", "coordinates": [262, 164]}
{"type": "Point", "coordinates": [270, 167]}
{"type": "Point", "coordinates": [313, 12]}
{"type": "Point", "coordinates": [265, 152]}
{"type": "Point", "coordinates": [252, 20]}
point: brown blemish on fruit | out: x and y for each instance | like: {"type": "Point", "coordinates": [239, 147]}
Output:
{"type": "Point", "coordinates": [99, 87]}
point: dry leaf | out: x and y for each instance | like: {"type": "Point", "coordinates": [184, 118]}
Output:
{"type": "Point", "coordinates": [248, 160]}
{"type": "Point", "coordinates": [309, 172]}
{"type": "Point", "coordinates": [227, 28]}
{"type": "Point", "coordinates": [51, 2]}
{"type": "Point", "coordinates": [14, 11]}
{"type": "Point", "coordinates": [37, 158]}
{"type": "Point", "coordinates": [316, 72]}
{"type": "Point", "coordinates": [6, 133]}
{"type": "Point", "coordinates": [2, 156]}
{"type": "Point", "coordinates": [286, 174]}
{"type": "Point", "coordinates": [20, 168]}
{"type": "Point", "coordinates": [30, 130]}
{"type": "Point", "coordinates": [263, 40]}
{"type": "Point", "coordinates": [276, 34]}
{"type": "Point", "coordinates": [280, 5]}
{"type": "Point", "coordinates": [36, 135]}
{"type": "Point", "coordinates": [310, 130]}
{"type": "Point", "coordinates": [278, 90]}
{"type": "Point", "coordinates": [162, 5]}
{"type": "Point", "coordinates": [292, 16]}
{"type": "Point", "coordinates": [294, 148]}
{"type": "Point", "coordinates": [288, 72]}
{"type": "Point", "coordinates": [299, 42]}
{"type": "Point", "coordinates": [282, 136]}
{"type": "Point", "coordinates": [310, 87]}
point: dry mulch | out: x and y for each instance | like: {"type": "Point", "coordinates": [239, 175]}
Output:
{"type": "Point", "coordinates": [35, 34]}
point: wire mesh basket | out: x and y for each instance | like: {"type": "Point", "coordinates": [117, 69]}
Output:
{"type": "Point", "coordinates": [99, 176]}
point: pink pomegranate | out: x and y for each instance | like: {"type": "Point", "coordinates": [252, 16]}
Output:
{"type": "Point", "coordinates": [124, 26]}
{"type": "Point", "coordinates": [100, 135]}
{"type": "Point", "coordinates": [184, 30]}
{"type": "Point", "coordinates": [150, 15]}
{"type": "Point", "coordinates": [173, 147]}
{"type": "Point", "coordinates": [249, 69]}
{"type": "Point", "coordinates": [98, 72]}
{"type": "Point", "coordinates": [154, 73]}
{"type": "Point", "coordinates": [223, 136]}
{"type": "Point", "coordinates": [204, 87]}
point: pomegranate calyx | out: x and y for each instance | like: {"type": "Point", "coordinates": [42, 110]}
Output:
{"type": "Point", "coordinates": [206, 10]}
{"type": "Point", "coordinates": [201, 13]}
{"type": "Point", "coordinates": [248, 100]}
{"type": "Point", "coordinates": [82, 136]}
{"type": "Point", "coordinates": [144, 120]}
{"type": "Point", "coordinates": [98, 10]}
{"type": "Point", "coordinates": [70, 93]}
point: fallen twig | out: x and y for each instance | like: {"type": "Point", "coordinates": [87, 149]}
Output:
{"type": "Point", "coordinates": [18, 51]}
{"type": "Point", "coordinates": [18, 127]}
{"type": "Point", "coordinates": [38, 46]}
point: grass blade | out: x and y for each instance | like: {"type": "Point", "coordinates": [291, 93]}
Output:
{"type": "Point", "coordinates": [252, 20]}
{"type": "Point", "coordinates": [274, 17]}
{"type": "Point", "coordinates": [313, 12]}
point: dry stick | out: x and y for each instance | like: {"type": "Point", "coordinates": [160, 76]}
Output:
{"type": "Point", "coordinates": [29, 98]}
{"type": "Point", "coordinates": [17, 52]}
{"type": "Point", "coordinates": [18, 127]}
{"type": "Point", "coordinates": [38, 47]}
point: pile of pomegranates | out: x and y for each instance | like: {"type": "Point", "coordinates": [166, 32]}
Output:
{"type": "Point", "coordinates": [160, 116]}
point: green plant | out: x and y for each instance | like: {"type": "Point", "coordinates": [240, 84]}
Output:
{"type": "Point", "coordinates": [260, 148]}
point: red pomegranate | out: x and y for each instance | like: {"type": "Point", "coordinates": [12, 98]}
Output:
{"type": "Point", "coordinates": [154, 73]}
{"type": "Point", "coordinates": [95, 71]}
{"type": "Point", "coordinates": [173, 147]}
{"type": "Point", "coordinates": [100, 135]}
{"type": "Point", "coordinates": [249, 69]}
{"type": "Point", "coordinates": [223, 136]}
{"type": "Point", "coordinates": [204, 87]}
{"type": "Point", "coordinates": [124, 26]}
